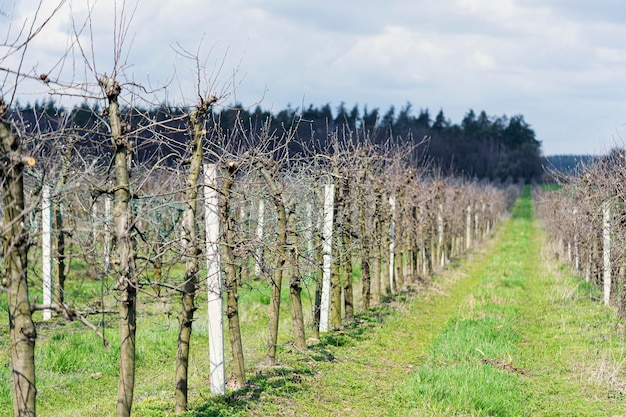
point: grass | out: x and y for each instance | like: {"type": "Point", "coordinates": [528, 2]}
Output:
{"type": "Point", "coordinates": [505, 332]}
{"type": "Point", "coordinates": [528, 341]}
{"type": "Point", "coordinates": [78, 376]}
{"type": "Point", "coordinates": [551, 187]}
{"type": "Point", "coordinates": [574, 349]}
{"type": "Point", "coordinates": [468, 369]}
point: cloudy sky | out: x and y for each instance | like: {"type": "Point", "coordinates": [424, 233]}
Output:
{"type": "Point", "coordinates": [560, 63]}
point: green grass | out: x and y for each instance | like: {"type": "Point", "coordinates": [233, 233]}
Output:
{"type": "Point", "coordinates": [78, 376]}
{"type": "Point", "coordinates": [528, 341]}
{"type": "Point", "coordinates": [574, 351]}
{"type": "Point", "coordinates": [551, 187]}
{"type": "Point", "coordinates": [504, 333]}
{"type": "Point", "coordinates": [462, 389]}
{"type": "Point", "coordinates": [468, 370]}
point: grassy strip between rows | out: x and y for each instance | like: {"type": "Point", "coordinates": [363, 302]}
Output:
{"type": "Point", "coordinates": [369, 371]}
{"type": "Point", "coordinates": [508, 334]}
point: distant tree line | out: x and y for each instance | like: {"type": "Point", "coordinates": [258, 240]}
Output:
{"type": "Point", "coordinates": [569, 164]}
{"type": "Point", "coordinates": [481, 146]}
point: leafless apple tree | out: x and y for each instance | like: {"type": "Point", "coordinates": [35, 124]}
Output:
{"type": "Point", "coordinates": [585, 218]}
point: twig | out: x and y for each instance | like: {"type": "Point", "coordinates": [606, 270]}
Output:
{"type": "Point", "coordinates": [71, 315]}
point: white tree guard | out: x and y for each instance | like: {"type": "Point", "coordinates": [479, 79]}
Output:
{"type": "Point", "coordinates": [606, 252]}
{"type": "Point", "coordinates": [107, 233]}
{"type": "Point", "coordinates": [260, 224]}
{"type": "Point", "coordinates": [468, 231]}
{"type": "Point", "coordinates": [327, 233]}
{"type": "Point", "coordinates": [94, 222]}
{"type": "Point", "coordinates": [46, 248]}
{"type": "Point", "coordinates": [309, 229]}
{"type": "Point", "coordinates": [576, 250]}
{"type": "Point", "coordinates": [440, 231]}
{"type": "Point", "coordinates": [214, 283]}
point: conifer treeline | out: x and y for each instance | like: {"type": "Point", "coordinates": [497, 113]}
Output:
{"type": "Point", "coordinates": [481, 146]}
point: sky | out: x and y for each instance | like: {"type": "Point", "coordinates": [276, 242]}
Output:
{"type": "Point", "coordinates": [559, 63]}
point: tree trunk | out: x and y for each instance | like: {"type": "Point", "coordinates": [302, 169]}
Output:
{"type": "Point", "coordinates": [621, 290]}
{"type": "Point", "coordinates": [376, 245]}
{"type": "Point", "coordinates": [375, 272]}
{"type": "Point", "coordinates": [245, 209]}
{"type": "Point", "coordinates": [335, 290]}
{"type": "Point", "coordinates": [127, 283]}
{"type": "Point", "coordinates": [401, 229]}
{"type": "Point", "coordinates": [335, 275]}
{"type": "Point", "coordinates": [285, 244]}
{"type": "Point", "coordinates": [346, 232]}
{"type": "Point", "coordinates": [295, 296]}
{"type": "Point", "coordinates": [276, 282]}
{"type": "Point", "coordinates": [392, 279]}
{"type": "Point", "coordinates": [191, 251]}
{"type": "Point", "coordinates": [15, 257]}
{"type": "Point", "coordinates": [230, 275]}
{"type": "Point", "coordinates": [60, 272]}
{"type": "Point", "coordinates": [319, 277]}
{"type": "Point", "coordinates": [365, 251]}
{"type": "Point", "coordinates": [295, 288]}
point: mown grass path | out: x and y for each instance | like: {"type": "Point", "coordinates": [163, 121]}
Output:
{"type": "Point", "coordinates": [505, 334]}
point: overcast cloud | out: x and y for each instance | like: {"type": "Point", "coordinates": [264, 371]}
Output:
{"type": "Point", "coordinates": [560, 63]}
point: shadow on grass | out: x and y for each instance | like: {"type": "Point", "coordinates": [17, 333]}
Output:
{"type": "Point", "coordinates": [276, 385]}
{"type": "Point", "coordinates": [272, 383]}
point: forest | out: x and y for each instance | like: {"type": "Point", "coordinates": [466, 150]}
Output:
{"type": "Point", "coordinates": [573, 165]}
{"type": "Point", "coordinates": [480, 146]}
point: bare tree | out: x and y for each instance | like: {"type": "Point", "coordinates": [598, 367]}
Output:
{"type": "Point", "coordinates": [123, 217]}
{"type": "Point", "coordinates": [230, 277]}
{"type": "Point", "coordinates": [14, 233]}
{"type": "Point", "coordinates": [15, 256]}
{"type": "Point", "coordinates": [191, 250]}
{"type": "Point", "coordinates": [285, 258]}
{"type": "Point", "coordinates": [586, 219]}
